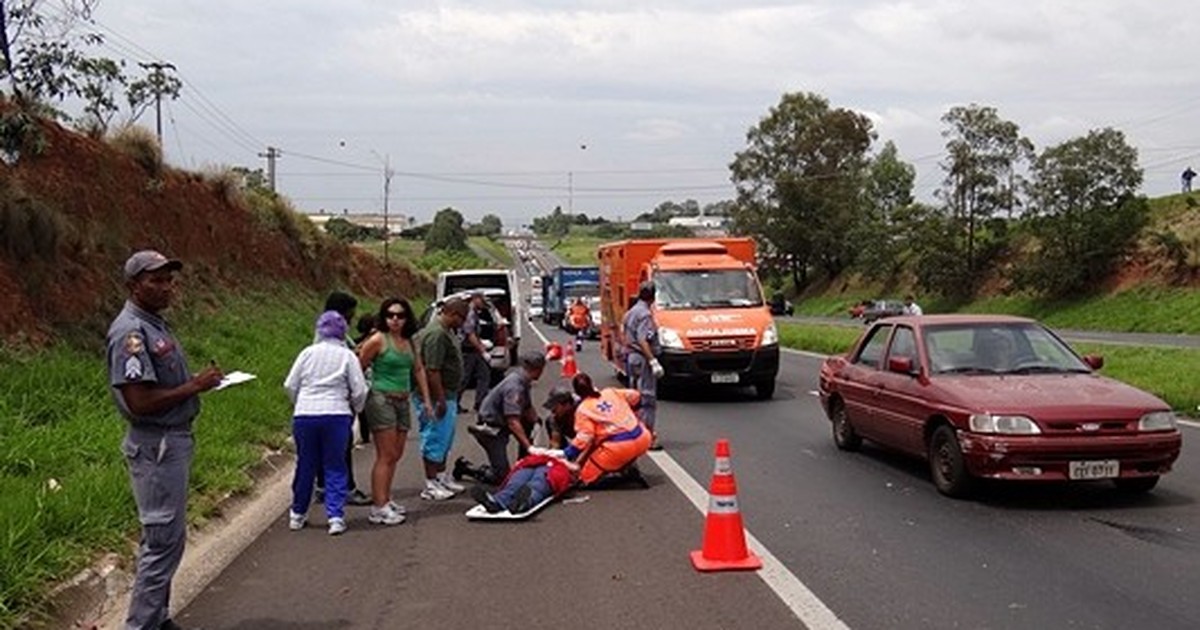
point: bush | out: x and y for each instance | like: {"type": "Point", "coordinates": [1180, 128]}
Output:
{"type": "Point", "coordinates": [141, 145]}
{"type": "Point", "coordinates": [225, 183]}
{"type": "Point", "coordinates": [29, 228]}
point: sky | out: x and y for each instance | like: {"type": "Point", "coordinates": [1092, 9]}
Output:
{"type": "Point", "coordinates": [611, 107]}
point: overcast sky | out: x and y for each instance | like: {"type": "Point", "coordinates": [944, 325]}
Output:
{"type": "Point", "coordinates": [611, 107]}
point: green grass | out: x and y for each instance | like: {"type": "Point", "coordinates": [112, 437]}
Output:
{"type": "Point", "coordinates": [492, 248]}
{"type": "Point", "coordinates": [1155, 370]}
{"type": "Point", "coordinates": [58, 422]}
{"type": "Point", "coordinates": [398, 248]}
{"type": "Point", "coordinates": [578, 249]}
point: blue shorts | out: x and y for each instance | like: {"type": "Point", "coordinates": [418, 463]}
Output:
{"type": "Point", "coordinates": [437, 436]}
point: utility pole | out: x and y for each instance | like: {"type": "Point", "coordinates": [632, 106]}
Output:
{"type": "Point", "coordinates": [156, 69]}
{"type": "Point", "coordinates": [387, 189]}
{"type": "Point", "coordinates": [271, 154]}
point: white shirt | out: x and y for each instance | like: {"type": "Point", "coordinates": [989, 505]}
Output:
{"type": "Point", "coordinates": [326, 379]}
{"type": "Point", "coordinates": [913, 309]}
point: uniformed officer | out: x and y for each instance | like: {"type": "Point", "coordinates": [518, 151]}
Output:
{"type": "Point", "coordinates": [508, 410]}
{"type": "Point", "coordinates": [159, 397]}
{"type": "Point", "coordinates": [477, 373]}
{"type": "Point", "coordinates": [641, 352]}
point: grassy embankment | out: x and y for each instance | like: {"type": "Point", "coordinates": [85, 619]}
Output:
{"type": "Point", "coordinates": [58, 423]}
{"type": "Point", "coordinates": [413, 251]}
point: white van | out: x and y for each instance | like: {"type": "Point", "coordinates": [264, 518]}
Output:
{"type": "Point", "coordinates": [500, 289]}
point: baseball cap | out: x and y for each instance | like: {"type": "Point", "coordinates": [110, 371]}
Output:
{"type": "Point", "coordinates": [559, 393]}
{"type": "Point", "coordinates": [149, 260]}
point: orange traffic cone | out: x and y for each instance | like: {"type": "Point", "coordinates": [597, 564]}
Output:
{"type": "Point", "coordinates": [724, 547]}
{"type": "Point", "coordinates": [553, 351]}
{"type": "Point", "coordinates": [569, 369]}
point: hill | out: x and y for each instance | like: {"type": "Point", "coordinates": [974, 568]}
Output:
{"type": "Point", "coordinates": [71, 213]}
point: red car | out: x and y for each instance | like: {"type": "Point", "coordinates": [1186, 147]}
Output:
{"type": "Point", "coordinates": [988, 396]}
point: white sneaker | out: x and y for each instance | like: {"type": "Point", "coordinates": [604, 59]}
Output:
{"type": "Point", "coordinates": [435, 492]}
{"type": "Point", "coordinates": [385, 516]}
{"type": "Point", "coordinates": [296, 521]}
{"type": "Point", "coordinates": [448, 482]}
{"type": "Point", "coordinates": [397, 508]}
{"type": "Point", "coordinates": [336, 526]}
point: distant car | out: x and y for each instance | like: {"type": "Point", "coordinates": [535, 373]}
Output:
{"type": "Point", "coordinates": [998, 397]}
{"type": "Point", "coordinates": [535, 311]}
{"type": "Point", "coordinates": [780, 305]}
{"type": "Point", "coordinates": [878, 309]}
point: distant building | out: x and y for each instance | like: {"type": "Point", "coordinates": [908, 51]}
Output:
{"type": "Point", "coordinates": [396, 223]}
{"type": "Point", "coordinates": [700, 222]}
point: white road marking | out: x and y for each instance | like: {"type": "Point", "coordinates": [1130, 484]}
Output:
{"type": "Point", "coordinates": [790, 590]}
{"type": "Point", "coordinates": [1190, 423]}
{"type": "Point", "coordinates": [804, 353]}
{"type": "Point", "coordinates": [545, 341]}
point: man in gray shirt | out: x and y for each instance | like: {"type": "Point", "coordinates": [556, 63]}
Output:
{"type": "Point", "coordinates": [508, 410]}
{"type": "Point", "coordinates": [159, 397]}
{"type": "Point", "coordinates": [641, 352]}
{"type": "Point", "coordinates": [477, 373]}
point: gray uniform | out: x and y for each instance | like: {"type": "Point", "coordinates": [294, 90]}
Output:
{"type": "Point", "coordinates": [477, 373]}
{"type": "Point", "coordinates": [158, 451]}
{"type": "Point", "coordinates": [639, 325]}
{"type": "Point", "coordinates": [510, 397]}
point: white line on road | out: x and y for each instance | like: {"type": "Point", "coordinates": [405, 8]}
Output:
{"type": "Point", "coordinates": [794, 594]}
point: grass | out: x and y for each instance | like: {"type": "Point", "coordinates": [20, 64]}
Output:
{"type": "Point", "coordinates": [58, 423]}
{"type": "Point", "coordinates": [578, 250]}
{"type": "Point", "coordinates": [1155, 370]}
{"type": "Point", "coordinates": [398, 248]}
{"type": "Point", "coordinates": [493, 249]}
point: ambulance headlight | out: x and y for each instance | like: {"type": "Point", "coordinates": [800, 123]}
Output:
{"type": "Point", "coordinates": [770, 335]}
{"type": "Point", "coordinates": [669, 338]}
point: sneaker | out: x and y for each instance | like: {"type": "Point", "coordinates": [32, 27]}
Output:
{"type": "Point", "coordinates": [522, 500]}
{"type": "Point", "coordinates": [435, 492]}
{"type": "Point", "coordinates": [336, 526]}
{"type": "Point", "coordinates": [462, 468]}
{"type": "Point", "coordinates": [446, 482]}
{"type": "Point", "coordinates": [397, 508]}
{"type": "Point", "coordinates": [385, 515]}
{"type": "Point", "coordinates": [480, 428]}
{"type": "Point", "coordinates": [358, 497]}
{"type": "Point", "coordinates": [481, 496]}
{"type": "Point", "coordinates": [296, 521]}
{"type": "Point", "coordinates": [655, 445]}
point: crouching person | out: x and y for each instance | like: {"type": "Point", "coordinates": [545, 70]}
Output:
{"type": "Point", "coordinates": [506, 412]}
{"type": "Point", "coordinates": [608, 435]}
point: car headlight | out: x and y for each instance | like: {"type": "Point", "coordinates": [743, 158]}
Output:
{"type": "Point", "coordinates": [770, 335]}
{"type": "Point", "coordinates": [1010, 425]}
{"type": "Point", "coordinates": [669, 338]}
{"type": "Point", "coordinates": [1157, 421]}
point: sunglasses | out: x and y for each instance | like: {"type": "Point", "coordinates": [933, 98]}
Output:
{"type": "Point", "coordinates": [395, 315]}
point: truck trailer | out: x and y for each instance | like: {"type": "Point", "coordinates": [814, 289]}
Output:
{"type": "Point", "coordinates": [562, 285]}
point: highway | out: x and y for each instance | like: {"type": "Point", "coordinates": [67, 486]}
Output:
{"type": "Point", "coordinates": [852, 540]}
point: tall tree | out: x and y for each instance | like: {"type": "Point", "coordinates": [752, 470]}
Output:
{"type": "Point", "coordinates": [985, 155]}
{"type": "Point", "coordinates": [1086, 211]}
{"type": "Point", "coordinates": [880, 235]}
{"type": "Point", "coordinates": [447, 232]}
{"type": "Point", "coordinates": [800, 181]}
{"type": "Point", "coordinates": [490, 225]}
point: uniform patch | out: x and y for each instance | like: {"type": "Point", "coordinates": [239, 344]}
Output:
{"type": "Point", "coordinates": [133, 368]}
{"type": "Point", "coordinates": [134, 344]}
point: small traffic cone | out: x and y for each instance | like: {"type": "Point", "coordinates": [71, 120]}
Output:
{"type": "Point", "coordinates": [569, 369]}
{"type": "Point", "coordinates": [553, 351]}
{"type": "Point", "coordinates": [724, 546]}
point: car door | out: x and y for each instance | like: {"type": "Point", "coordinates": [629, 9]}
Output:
{"type": "Point", "coordinates": [860, 381]}
{"type": "Point", "coordinates": [900, 409]}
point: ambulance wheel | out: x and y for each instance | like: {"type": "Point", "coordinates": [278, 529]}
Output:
{"type": "Point", "coordinates": [765, 389]}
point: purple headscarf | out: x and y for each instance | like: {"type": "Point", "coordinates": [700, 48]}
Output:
{"type": "Point", "coordinates": [331, 325]}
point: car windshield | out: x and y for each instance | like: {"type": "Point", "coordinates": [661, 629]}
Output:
{"type": "Point", "coordinates": [724, 288]}
{"type": "Point", "coordinates": [998, 348]}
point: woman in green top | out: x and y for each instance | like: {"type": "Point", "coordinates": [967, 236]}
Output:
{"type": "Point", "coordinates": [394, 366]}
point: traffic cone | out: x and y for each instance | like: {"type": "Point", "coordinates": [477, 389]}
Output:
{"type": "Point", "coordinates": [724, 546]}
{"type": "Point", "coordinates": [569, 368]}
{"type": "Point", "coordinates": [553, 351]}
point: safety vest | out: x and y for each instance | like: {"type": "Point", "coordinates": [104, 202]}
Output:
{"type": "Point", "coordinates": [607, 417]}
{"type": "Point", "coordinates": [579, 316]}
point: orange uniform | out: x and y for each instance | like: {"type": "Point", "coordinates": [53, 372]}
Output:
{"type": "Point", "coordinates": [608, 433]}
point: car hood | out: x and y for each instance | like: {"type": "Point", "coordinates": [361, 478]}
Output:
{"type": "Point", "coordinates": [1050, 396]}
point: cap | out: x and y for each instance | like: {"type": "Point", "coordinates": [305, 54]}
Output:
{"type": "Point", "coordinates": [533, 360]}
{"type": "Point", "coordinates": [149, 260]}
{"type": "Point", "coordinates": [559, 393]}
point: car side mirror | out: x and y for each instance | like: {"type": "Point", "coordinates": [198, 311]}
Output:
{"type": "Point", "coordinates": [1093, 361]}
{"type": "Point", "coordinates": [902, 365]}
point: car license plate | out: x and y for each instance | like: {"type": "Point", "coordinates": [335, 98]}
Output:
{"type": "Point", "coordinates": [1100, 469]}
{"type": "Point", "coordinates": [725, 377]}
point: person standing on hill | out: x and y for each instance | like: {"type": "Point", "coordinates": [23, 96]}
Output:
{"type": "Point", "coordinates": [159, 397]}
{"type": "Point", "coordinates": [1187, 177]}
{"type": "Point", "coordinates": [439, 350]}
{"type": "Point", "coordinates": [345, 305]}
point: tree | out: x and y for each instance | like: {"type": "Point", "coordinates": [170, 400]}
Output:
{"type": "Point", "coordinates": [985, 152]}
{"type": "Point", "coordinates": [880, 236]}
{"type": "Point", "coordinates": [1086, 211]}
{"type": "Point", "coordinates": [800, 182]}
{"type": "Point", "coordinates": [447, 232]}
{"type": "Point", "coordinates": [557, 224]}
{"type": "Point", "coordinates": [490, 225]}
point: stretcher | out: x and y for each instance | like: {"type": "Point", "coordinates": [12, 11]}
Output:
{"type": "Point", "coordinates": [480, 513]}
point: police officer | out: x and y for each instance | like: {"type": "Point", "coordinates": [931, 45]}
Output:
{"type": "Point", "coordinates": [159, 397]}
{"type": "Point", "coordinates": [477, 373]}
{"type": "Point", "coordinates": [641, 352]}
{"type": "Point", "coordinates": [508, 410]}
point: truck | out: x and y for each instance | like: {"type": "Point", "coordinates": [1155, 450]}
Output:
{"type": "Point", "coordinates": [714, 326]}
{"type": "Point", "coordinates": [562, 285]}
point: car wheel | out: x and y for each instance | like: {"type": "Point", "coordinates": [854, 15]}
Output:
{"type": "Point", "coordinates": [764, 390]}
{"type": "Point", "coordinates": [947, 465]}
{"type": "Point", "coordinates": [1136, 485]}
{"type": "Point", "coordinates": [844, 435]}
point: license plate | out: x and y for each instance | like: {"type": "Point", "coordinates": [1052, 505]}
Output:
{"type": "Point", "coordinates": [1100, 469]}
{"type": "Point", "coordinates": [725, 377]}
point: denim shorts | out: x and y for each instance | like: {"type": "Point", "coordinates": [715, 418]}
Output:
{"type": "Point", "coordinates": [387, 411]}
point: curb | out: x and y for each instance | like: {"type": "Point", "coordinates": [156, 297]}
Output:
{"type": "Point", "coordinates": [97, 597]}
